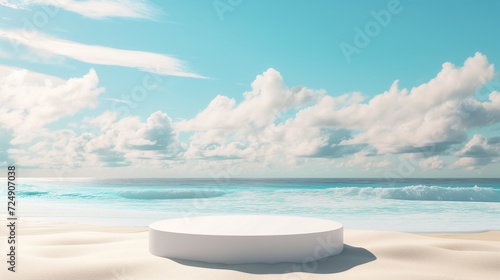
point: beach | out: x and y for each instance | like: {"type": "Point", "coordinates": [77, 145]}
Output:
{"type": "Point", "coordinates": [409, 229]}
{"type": "Point", "coordinates": [265, 140]}
{"type": "Point", "coordinates": [61, 251]}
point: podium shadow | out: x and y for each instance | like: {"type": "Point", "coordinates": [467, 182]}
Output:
{"type": "Point", "coordinates": [348, 259]}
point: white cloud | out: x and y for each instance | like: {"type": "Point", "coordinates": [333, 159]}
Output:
{"type": "Point", "coordinates": [268, 98]}
{"type": "Point", "coordinates": [434, 162]}
{"type": "Point", "coordinates": [29, 101]}
{"type": "Point", "coordinates": [116, 100]}
{"type": "Point", "coordinates": [273, 126]}
{"type": "Point", "coordinates": [428, 118]}
{"type": "Point", "coordinates": [363, 158]}
{"type": "Point", "coordinates": [257, 129]}
{"type": "Point", "coordinates": [479, 151]}
{"type": "Point", "coordinates": [480, 147]}
{"type": "Point", "coordinates": [424, 121]}
{"type": "Point", "coordinates": [144, 61]}
{"type": "Point", "coordinates": [131, 138]}
{"type": "Point", "coordinates": [252, 128]}
{"type": "Point", "coordinates": [12, 4]}
{"type": "Point", "coordinates": [468, 163]}
{"type": "Point", "coordinates": [96, 9]}
{"type": "Point", "coordinates": [107, 142]}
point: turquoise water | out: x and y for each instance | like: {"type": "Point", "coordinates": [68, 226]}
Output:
{"type": "Point", "coordinates": [417, 205]}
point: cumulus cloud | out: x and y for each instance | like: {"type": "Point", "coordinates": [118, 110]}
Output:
{"type": "Point", "coordinates": [144, 61]}
{"type": "Point", "coordinates": [29, 101]}
{"type": "Point", "coordinates": [365, 159]}
{"type": "Point", "coordinates": [268, 98]}
{"type": "Point", "coordinates": [478, 151]}
{"type": "Point", "coordinates": [428, 118]}
{"type": "Point", "coordinates": [50, 150]}
{"type": "Point", "coordinates": [480, 147]}
{"type": "Point", "coordinates": [434, 162]}
{"type": "Point", "coordinates": [333, 146]}
{"type": "Point", "coordinates": [470, 163]}
{"type": "Point", "coordinates": [254, 128]}
{"type": "Point", "coordinates": [273, 125]}
{"type": "Point", "coordinates": [106, 141]}
{"type": "Point", "coordinates": [131, 138]}
{"type": "Point", "coordinates": [96, 9]}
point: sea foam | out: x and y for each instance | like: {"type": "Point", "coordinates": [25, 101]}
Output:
{"type": "Point", "coordinates": [171, 194]}
{"type": "Point", "coordinates": [422, 192]}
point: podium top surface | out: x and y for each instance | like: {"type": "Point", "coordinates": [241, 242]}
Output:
{"type": "Point", "coordinates": [246, 225]}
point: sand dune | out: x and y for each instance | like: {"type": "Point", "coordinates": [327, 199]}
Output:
{"type": "Point", "coordinates": [63, 252]}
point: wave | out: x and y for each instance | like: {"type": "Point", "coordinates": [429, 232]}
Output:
{"type": "Point", "coordinates": [142, 194]}
{"type": "Point", "coordinates": [54, 195]}
{"type": "Point", "coordinates": [171, 194]}
{"type": "Point", "coordinates": [31, 193]}
{"type": "Point", "coordinates": [422, 192]}
{"type": "Point", "coordinates": [77, 195]}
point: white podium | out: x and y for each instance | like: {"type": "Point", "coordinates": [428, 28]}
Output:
{"type": "Point", "coordinates": [238, 239]}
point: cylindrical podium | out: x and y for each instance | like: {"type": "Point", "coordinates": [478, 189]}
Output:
{"type": "Point", "coordinates": [238, 239]}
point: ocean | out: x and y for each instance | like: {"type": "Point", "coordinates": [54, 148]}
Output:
{"type": "Point", "coordinates": [411, 205]}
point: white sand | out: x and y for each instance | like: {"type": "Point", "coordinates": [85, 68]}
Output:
{"type": "Point", "coordinates": [67, 252]}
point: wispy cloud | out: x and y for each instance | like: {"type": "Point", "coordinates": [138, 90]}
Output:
{"type": "Point", "coordinates": [12, 4]}
{"type": "Point", "coordinates": [144, 61]}
{"type": "Point", "coordinates": [115, 100]}
{"type": "Point", "coordinates": [97, 9]}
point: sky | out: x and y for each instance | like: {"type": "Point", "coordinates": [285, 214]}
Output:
{"type": "Point", "coordinates": [235, 88]}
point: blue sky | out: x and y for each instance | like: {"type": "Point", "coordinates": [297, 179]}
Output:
{"type": "Point", "coordinates": [236, 88]}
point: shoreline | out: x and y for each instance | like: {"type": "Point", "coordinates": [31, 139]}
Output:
{"type": "Point", "coordinates": [60, 251]}
{"type": "Point", "coordinates": [34, 221]}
